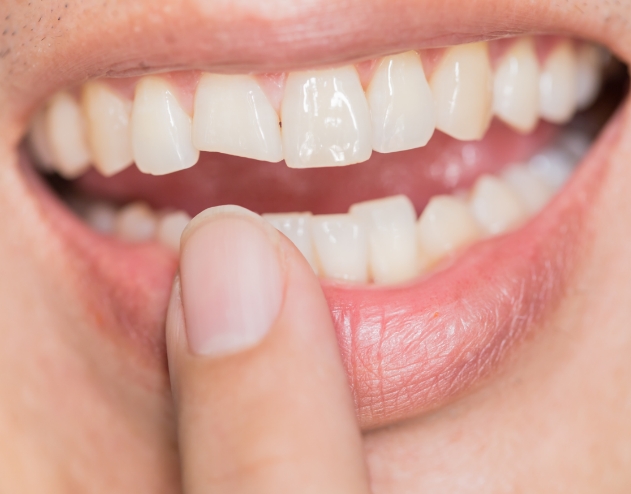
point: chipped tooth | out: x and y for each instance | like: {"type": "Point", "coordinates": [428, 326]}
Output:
{"type": "Point", "coordinates": [233, 116]}
{"type": "Point", "coordinates": [554, 166]}
{"type": "Point", "coordinates": [161, 129]}
{"type": "Point", "coordinates": [297, 228]}
{"type": "Point", "coordinates": [557, 84]}
{"type": "Point", "coordinates": [136, 222]}
{"type": "Point", "coordinates": [588, 75]}
{"type": "Point", "coordinates": [462, 88]}
{"type": "Point", "coordinates": [101, 217]}
{"type": "Point", "coordinates": [392, 243]}
{"type": "Point", "coordinates": [341, 247]}
{"type": "Point", "coordinates": [326, 121]}
{"type": "Point", "coordinates": [65, 127]}
{"type": "Point", "coordinates": [109, 132]}
{"type": "Point", "coordinates": [445, 226]}
{"type": "Point", "coordinates": [170, 228]}
{"type": "Point", "coordinates": [531, 189]}
{"type": "Point", "coordinates": [495, 206]}
{"type": "Point", "coordinates": [401, 104]}
{"type": "Point", "coordinates": [516, 87]}
{"type": "Point", "coordinates": [38, 143]}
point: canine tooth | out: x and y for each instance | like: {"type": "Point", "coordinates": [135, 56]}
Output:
{"type": "Point", "coordinates": [326, 121]}
{"type": "Point", "coordinates": [101, 217]}
{"type": "Point", "coordinates": [401, 104]}
{"type": "Point", "coordinates": [554, 166]}
{"type": "Point", "coordinates": [516, 86]}
{"type": "Point", "coordinates": [170, 228]}
{"type": "Point", "coordinates": [161, 129]}
{"type": "Point", "coordinates": [109, 133]}
{"type": "Point", "coordinates": [495, 205]}
{"type": "Point", "coordinates": [445, 226]}
{"type": "Point", "coordinates": [341, 247]}
{"type": "Point", "coordinates": [588, 75]}
{"type": "Point", "coordinates": [297, 228]}
{"type": "Point", "coordinates": [462, 88]}
{"type": "Point", "coordinates": [65, 127]}
{"type": "Point", "coordinates": [392, 244]}
{"type": "Point", "coordinates": [136, 222]}
{"type": "Point", "coordinates": [38, 143]}
{"type": "Point", "coordinates": [531, 189]}
{"type": "Point", "coordinates": [557, 84]}
{"type": "Point", "coordinates": [233, 116]}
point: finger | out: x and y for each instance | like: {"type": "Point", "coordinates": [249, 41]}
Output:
{"type": "Point", "coordinates": [262, 399]}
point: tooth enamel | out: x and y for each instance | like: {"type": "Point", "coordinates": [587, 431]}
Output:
{"type": "Point", "coordinates": [557, 84]}
{"type": "Point", "coordinates": [101, 217]}
{"type": "Point", "coordinates": [445, 226]}
{"type": "Point", "coordinates": [462, 88]}
{"type": "Point", "coordinates": [401, 104]}
{"type": "Point", "coordinates": [161, 129]}
{"type": "Point", "coordinates": [65, 127]}
{"type": "Point", "coordinates": [170, 228]}
{"type": "Point", "coordinates": [341, 247]}
{"type": "Point", "coordinates": [516, 87]}
{"type": "Point", "coordinates": [326, 121]}
{"type": "Point", "coordinates": [136, 223]}
{"type": "Point", "coordinates": [575, 142]}
{"type": "Point", "coordinates": [533, 192]}
{"type": "Point", "coordinates": [495, 206]}
{"type": "Point", "coordinates": [392, 245]}
{"type": "Point", "coordinates": [109, 133]}
{"type": "Point", "coordinates": [554, 166]}
{"type": "Point", "coordinates": [297, 228]}
{"type": "Point", "coordinates": [38, 143]}
{"type": "Point", "coordinates": [588, 75]}
{"type": "Point", "coordinates": [233, 116]}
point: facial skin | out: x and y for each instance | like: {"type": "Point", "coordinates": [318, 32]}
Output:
{"type": "Point", "coordinates": [84, 407]}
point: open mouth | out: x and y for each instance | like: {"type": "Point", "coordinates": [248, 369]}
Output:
{"type": "Point", "coordinates": [436, 192]}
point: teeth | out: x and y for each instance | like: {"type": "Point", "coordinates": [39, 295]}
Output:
{"type": "Point", "coordinates": [557, 85]}
{"type": "Point", "coordinates": [495, 206]}
{"type": "Point", "coordinates": [462, 88]}
{"type": "Point", "coordinates": [533, 191]}
{"type": "Point", "coordinates": [136, 223]}
{"type": "Point", "coordinates": [589, 75]}
{"type": "Point", "coordinates": [170, 228]}
{"type": "Point", "coordinates": [554, 166]}
{"type": "Point", "coordinates": [65, 128]}
{"type": "Point", "coordinates": [390, 225]}
{"type": "Point", "coordinates": [341, 247]}
{"type": "Point", "coordinates": [161, 129]}
{"type": "Point", "coordinates": [516, 87]}
{"type": "Point", "coordinates": [38, 143]}
{"type": "Point", "coordinates": [297, 228]}
{"type": "Point", "coordinates": [233, 116]}
{"type": "Point", "coordinates": [101, 217]}
{"type": "Point", "coordinates": [109, 134]}
{"type": "Point", "coordinates": [401, 104]}
{"type": "Point", "coordinates": [326, 121]}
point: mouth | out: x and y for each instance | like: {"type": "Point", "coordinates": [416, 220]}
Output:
{"type": "Point", "coordinates": [440, 193]}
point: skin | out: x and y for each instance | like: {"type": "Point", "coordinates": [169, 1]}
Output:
{"type": "Point", "coordinates": [82, 409]}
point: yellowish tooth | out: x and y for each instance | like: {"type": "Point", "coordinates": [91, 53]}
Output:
{"type": "Point", "coordinates": [38, 143]}
{"type": "Point", "coordinates": [297, 228]}
{"type": "Point", "coordinates": [495, 206]}
{"type": "Point", "coordinates": [557, 84]}
{"type": "Point", "coordinates": [170, 228]}
{"type": "Point", "coordinates": [136, 223]}
{"type": "Point", "coordinates": [589, 74]}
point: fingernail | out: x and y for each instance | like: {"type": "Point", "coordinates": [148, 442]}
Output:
{"type": "Point", "coordinates": [231, 280]}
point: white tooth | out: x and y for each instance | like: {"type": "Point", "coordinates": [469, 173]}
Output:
{"type": "Point", "coordinates": [462, 87]}
{"type": "Point", "coordinates": [38, 143]}
{"type": "Point", "coordinates": [554, 166]}
{"type": "Point", "coordinates": [101, 217]}
{"type": "Point", "coordinates": [401, 104]}
{"type": "Point", "coordinates": [445, 226]}
{"type": "Point", "coordinates": [516, 86]}
{"type": "Point", "coordinates": [588, 75]}
{"type": "Point", "coordinates": [341, 247]}
{"type": "Point", "coordinates": [65, 127]}
{"type": "Point", "coordinates": [326, 121]}
{"type": "Point", "coordinates": [161, 130]}
{"type": "Point", "coordinates": [233, 116]}
{"type": "Point", "coordinates": [531, 189]}
{"type": "Point", "coordinates": [495, 205]}
{"type": "Point", "coordinates": [557, 84]}
{"type": "Point", "coordinates": [109, 133]}
{"type": "Point", "coordinates": [297, 228]}
{"type": "Point", "coordinates": [170, 228]}
{"type": "Point", "coordinates": [136, 223]}
{"type": "Point", "coordinates": [392, 244]}
{"type": "Point", "coordinates": [575, 142]}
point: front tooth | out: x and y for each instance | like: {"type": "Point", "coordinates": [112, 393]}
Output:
{"type": "Point", "coordinates": [136, 223]}
{"type": "Point", "coordinates": [390, 224]}
{"type": "Point", "coordinates": [326, 121]}
{"type": "Point", "coordinates": [297, 228]}
{"type": "Point", "coordinates": [445, 226]}
{"type": "Point", "coordinates": [233, 116]}
{"type": "Point", "coordinates": [170, 228]}
{"type": "Point", "coordinates": [341, 247]}
{"type": "Point", "coordinates": [495, 206]}
{"type": "Point", "coordinates": [516, 87]}
{"type": "Point", "coordinates": [531, 189]}
{"type": "Point", "coordinates": [109, 134]}
{"type": "Point", "coordinates": [38, 143]}
{"type": "Point", "coordinates": [462, 88]}
{"type": "Point", "coordinates": [557, 84]}
{"type": "Point", "coordinates": [588, 75]}
{"type": "Point", "coordinates": [65, 127]}
{"type": "Point", "coordinates": [401, 104]}
{"type": "Point", "coordinates": [161, 130]}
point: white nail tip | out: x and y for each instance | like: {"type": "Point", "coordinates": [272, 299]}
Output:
{"type": "Point", "coordinates": [161, 129]}
{"type": "Point", "coordinates": [297, 228]}
{"type": "Point", "coordinates": [170, 228]}
{"type": "Point", "coordinates": [495, 206]}
{"type": "Point", "coordinates": [136, 223]}
{"type": "Point", "coordinates": [401, 104]}
{"type": "Point", "coordinates": [326, 121]}
{"type": "Point", "coordinates": [233, 116]}
{"type": "Point", "coordinates": [557, 86]}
